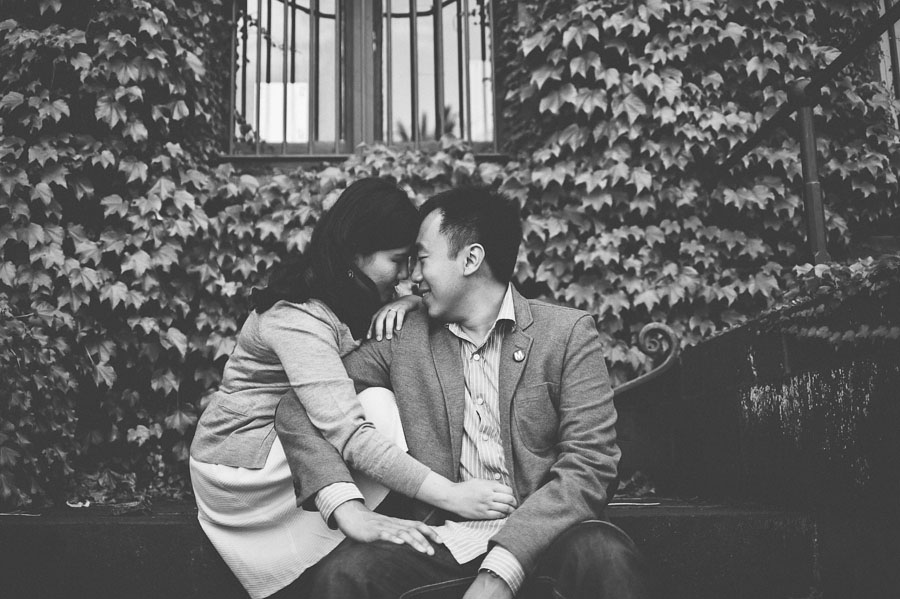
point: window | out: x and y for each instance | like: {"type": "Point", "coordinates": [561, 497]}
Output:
{"type": "Point", "coordinates": [316, 77]}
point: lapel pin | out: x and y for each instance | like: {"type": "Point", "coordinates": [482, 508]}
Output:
{"type": "Point", "coordinates": [519, 355]}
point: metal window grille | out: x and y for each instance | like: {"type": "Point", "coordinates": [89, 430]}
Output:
{"type": "Point", "coordinates": [314, 77]}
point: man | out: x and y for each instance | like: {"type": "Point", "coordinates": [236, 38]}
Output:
{"type": "Point", "coordinates": [491, 385]}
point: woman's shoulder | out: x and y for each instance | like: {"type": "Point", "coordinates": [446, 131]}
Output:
{"type": "Point", "coordinates": [312, 314]}
{"type": "Point", "coordinates": [311, 309]}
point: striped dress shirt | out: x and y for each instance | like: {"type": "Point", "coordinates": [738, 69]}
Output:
{"type": "Point", "coordinates": [482, 452]}
{"type": "Point", "coordinates": [482, 447]}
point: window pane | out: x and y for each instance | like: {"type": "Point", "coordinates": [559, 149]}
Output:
{"type": "Point", "coordinates": [426, 76]}
{"type": "Point", "coordinates": [480, 72]}
{"type": "Point", "coordinates": [266, 55]}
{"type": "Point", "coordinates": [327, 107]}
{"type": "Point", "coordinates": [452, 46]}
{"type": "Point", "coordinates": [401, 80]}
{"type": "Point", "coordinates": [466, 74]}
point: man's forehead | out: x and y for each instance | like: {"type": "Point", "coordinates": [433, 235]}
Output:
{"type": "Point", "coordinates": [429, 231]}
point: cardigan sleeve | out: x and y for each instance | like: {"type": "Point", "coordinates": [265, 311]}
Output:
{"type": "Point", "coordinates": [307, 347]}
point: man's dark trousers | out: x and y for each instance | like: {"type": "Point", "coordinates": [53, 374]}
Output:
{"type": "Point", "coordinates": [593, 559]}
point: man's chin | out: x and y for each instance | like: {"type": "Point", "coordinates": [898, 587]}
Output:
{"type": "Point", "coordinates": [430, 308]}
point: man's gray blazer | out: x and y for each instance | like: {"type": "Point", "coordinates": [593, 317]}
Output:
{"type": "Point", "coordinates": [556, 414]}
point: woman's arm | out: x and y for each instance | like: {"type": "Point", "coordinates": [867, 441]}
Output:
{"type": "Point", "coordinates": [308, 351]}
{"type": "Point", "coordinates": [391, 315]}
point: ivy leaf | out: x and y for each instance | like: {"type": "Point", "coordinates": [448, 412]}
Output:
{"type": "Point", "coordinates": [114, 204]}
{"type": "Point", "coordinates": [127, 70]}
{"type": "Point", "coordinates": [761, 67]}
{"type": "Point", "coordinates": [135, 169]}
{"type": "Point", "coordinates": [32, 235]}
{"type": "Point", "coordinates": [734, 32]}
{"type": "Point", "coordinates": [150, 27]}
{"type": "Point", "coordinates": [104, 374]}
{"type": "Point", "coordinates": [531, 43]}
{"type": "Point", "coordinates": [634, 107]}
{"type": "Point", "coordinates": [149, 205]}
{"type": "Point", "coordinates": [649, 298]}
{"type": "Point", "coordinates": [164, 188]}
{"type": "Point", "coordinates": [138, 262]}
{"type": "Point", "coordinates": [136, 130]}
{"type": "Point", "coordinates": [553, 101]}
{"type": "Point", "coordinates": [671, 89]}
{"type": "Point", "coordinates": [115, 293]}
{"type": "Point", "coordinates": [180, 111]}
{"type": "Point", "coordinates": [583, 64]}
{"type": "Point", "coordinates": [177, 339]}
{"type": "Point", "coordinates": [763, 284]}
{"type": "Point", "coordinates": [52, 5]}
{"type": "Point", "coordinates": [642, 179]}
{"type": "Point", "coordinates": [8, 457]}
{"type": "Point", "coordinates": [81, 61]}
{"type": "Point", "coordinates": [585, 31]}
{"type": "Point", "coordinates": [57, 109]}
{"type": "Point", "coordinates": [110, 112]}
{"type": "Point", "coordinates": [43, 192]}
{"type": "Point", "coordinates": [88, 251]}
{"type": "Point", "coordinates": [587, 100]}
{"type": "Point", "coordinates": [183, 199]}
{"type": "Point", "coordinates": [139, 434]}
{"type": "Point", "coordinates": [86, 278]}
{"type": "Point", "coordinates": [180, 421]}
{"type": "Point", "coordinates": [165, 381]}
{"type": "Point", "coordinates": [195, 64]}
{"type": "Point", "coordinates": [11, 100]}
{"type": "Point", "coordinates": [8, 273]}
{"type": "Point", "coordinates": [105, 159]}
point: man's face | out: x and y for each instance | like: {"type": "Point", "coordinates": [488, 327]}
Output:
{"type": "Point", "coordinates": [439, 276]}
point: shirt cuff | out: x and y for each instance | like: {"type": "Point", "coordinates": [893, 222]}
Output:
{"type": "Point", "coordinates": [505, 565]}
{"type": "Point", "coordinates": [329, 498]}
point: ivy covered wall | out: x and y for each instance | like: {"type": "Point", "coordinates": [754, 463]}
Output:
{"type": "Point", "coordinates": [126, 255]}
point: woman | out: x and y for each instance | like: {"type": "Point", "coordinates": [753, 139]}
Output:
{"type": "Point", "coordinates": [311, 314]}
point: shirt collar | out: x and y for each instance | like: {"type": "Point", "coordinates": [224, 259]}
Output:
{"type": "Point", "coordinates": [507, 313]}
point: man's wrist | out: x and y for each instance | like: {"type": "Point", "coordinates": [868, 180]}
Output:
{"type": "Point", "coordinates": [501, 563]}
{"type": "Point", "coordinates": [493, 585]}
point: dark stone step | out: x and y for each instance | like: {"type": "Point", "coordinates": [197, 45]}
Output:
{"type": "Point", "coordinates": [698, 551]}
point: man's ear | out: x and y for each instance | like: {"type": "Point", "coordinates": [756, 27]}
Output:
{"type": "Point", "coordinates": [474, 258]}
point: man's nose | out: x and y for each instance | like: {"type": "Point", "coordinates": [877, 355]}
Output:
{"type": "Point", "coordinates": [416, 274]}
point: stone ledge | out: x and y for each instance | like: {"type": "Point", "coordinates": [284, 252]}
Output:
{"type": "Point", "coordinates": [700, 551]}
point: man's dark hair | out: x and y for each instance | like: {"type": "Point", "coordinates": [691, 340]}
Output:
{"type": "Point", "coordinates": [480, 215]}
{"type": "Point", "coordinates": [371, 215]}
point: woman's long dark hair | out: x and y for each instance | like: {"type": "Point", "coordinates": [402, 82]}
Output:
{"type": "Point", "coordinates": [371, 215]}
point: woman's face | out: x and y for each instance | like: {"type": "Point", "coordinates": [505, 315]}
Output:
{"type": "Point", "coordinates": [386, 268]}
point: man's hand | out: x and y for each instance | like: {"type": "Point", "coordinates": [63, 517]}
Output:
{"type": "Point", "coordinates": [361, 524]}
{"type": "Point", "coordinates": [488, 586]}
{"type": "Point", "coordinates": [474, 499]}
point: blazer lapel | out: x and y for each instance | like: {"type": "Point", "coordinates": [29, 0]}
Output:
{"type": "Point", "coordinates": [514, 355]}
{"type": "Point", "coordinates": [447, 363]}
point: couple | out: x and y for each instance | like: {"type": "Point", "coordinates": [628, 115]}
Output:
{"type": "Point", "coordinates": [501, 441]}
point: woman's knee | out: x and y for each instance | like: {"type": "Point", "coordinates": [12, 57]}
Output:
{"type": "Point", "coordinates": [380, 408]}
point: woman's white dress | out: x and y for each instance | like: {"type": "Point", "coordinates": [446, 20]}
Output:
{"type": "Point", "coordinates": [251, 515]}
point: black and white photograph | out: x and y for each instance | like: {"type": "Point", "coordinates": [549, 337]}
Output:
{"type": "Point", "coordinates": [449, 299]}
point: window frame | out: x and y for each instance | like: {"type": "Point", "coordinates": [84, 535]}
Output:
{"type": "Point", "coordinates": [360, 119]}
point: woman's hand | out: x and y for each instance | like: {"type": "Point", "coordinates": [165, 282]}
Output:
{"type": "Point", "coordinates": [481, 500]}
{"type": "Point", "coordinates": [361, 524]}
{"type": "Point", "coordinates": [391, 315]}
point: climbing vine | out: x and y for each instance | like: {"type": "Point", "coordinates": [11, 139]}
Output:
{"type": "Point", "coordinates": [127, 256]}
